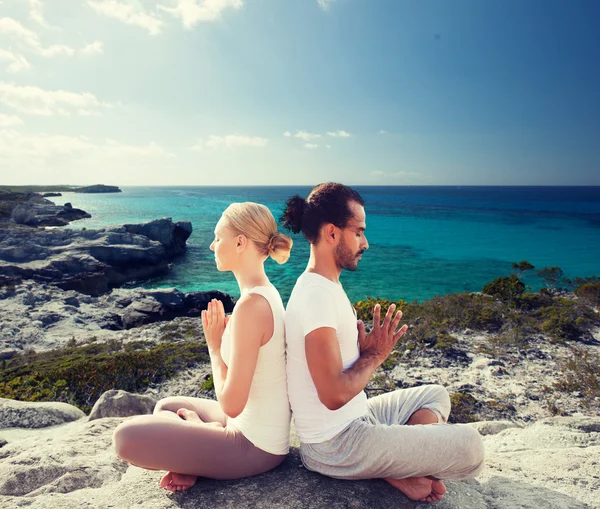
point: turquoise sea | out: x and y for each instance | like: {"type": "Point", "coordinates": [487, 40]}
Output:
{"type": "Point", "coordinates": [424, 241]}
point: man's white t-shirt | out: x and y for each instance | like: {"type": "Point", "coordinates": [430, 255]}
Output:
{"type": "Point", "coordinates": [318, 302]}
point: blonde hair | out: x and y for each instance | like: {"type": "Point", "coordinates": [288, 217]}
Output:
{"type": "Point", "coordinates": [256, 222]}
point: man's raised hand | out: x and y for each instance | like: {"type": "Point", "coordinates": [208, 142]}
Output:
{"type": "Point", "coordinates": [384, 336]}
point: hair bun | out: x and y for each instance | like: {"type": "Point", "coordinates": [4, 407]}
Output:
{"type": "Point", "coordinates": [292, 215]}
{"type": "Point", "coordinates": [279, 247]}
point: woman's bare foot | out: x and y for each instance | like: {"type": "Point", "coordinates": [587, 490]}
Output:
{"type": "Point", "coordinates": [422, 489]}
{"type": "Point", "coordinates": [177, 482]}
{"type": "Point", "coordinates": [190, 415]}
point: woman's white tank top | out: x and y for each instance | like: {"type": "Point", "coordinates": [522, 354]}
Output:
{"type": "Point", "coordinates": [265, 420]}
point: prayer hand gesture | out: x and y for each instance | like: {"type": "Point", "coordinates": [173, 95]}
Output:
{"type": "Point", "coordinates": [214, 322]}
{"type": "Point", "coordinates": [382, 339]}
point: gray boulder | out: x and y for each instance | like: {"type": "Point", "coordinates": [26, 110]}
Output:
{"type": "Point", "coordinates": [121, 404]}
{"type": "Point", "coordinates": [24, 414]}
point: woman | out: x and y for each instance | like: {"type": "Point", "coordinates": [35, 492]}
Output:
{"type": "Point", "coordinates": [246, 431]}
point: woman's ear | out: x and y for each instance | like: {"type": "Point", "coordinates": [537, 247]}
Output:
{"type": "Point", "coordinates": [240, 243]}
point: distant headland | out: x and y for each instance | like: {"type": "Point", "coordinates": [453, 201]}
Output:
{"type": "Point", "coordinates": [97, 188]}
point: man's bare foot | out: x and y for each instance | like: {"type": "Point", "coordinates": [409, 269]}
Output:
{"type": "Point", "coordinates": [177, 482]}
{"type": "Point", "coordinates": [190, 415]}
{"type": "Point", "coordinates": [422, 489]}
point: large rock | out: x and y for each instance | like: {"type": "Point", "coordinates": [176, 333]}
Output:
{"type": "Point", "coordinates": [76, 467]}
{"type": "Point", "coordinates": [121, 404]}
{"type": "Point", "coordinates": [168, 303]}
{"type": "Point", "coordinates": [23, 414]}
{"type": "Point", "coordinates": [92, 261]}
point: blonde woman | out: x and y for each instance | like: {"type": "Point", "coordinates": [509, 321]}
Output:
{"type": "Point", "coordinates": [246, 431]}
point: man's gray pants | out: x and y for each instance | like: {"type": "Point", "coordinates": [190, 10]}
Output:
{"type": "Point", "coordinates": [381, 445]}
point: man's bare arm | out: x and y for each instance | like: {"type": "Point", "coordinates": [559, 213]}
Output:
{"type": "Point", "coordinates": [336, 386]}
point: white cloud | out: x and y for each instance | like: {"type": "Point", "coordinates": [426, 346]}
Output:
{"type": "Point", "coordinates": [36, 13]}
{"type": "Point", "coordinates": [21, 149]}
{"type": "Point", "coordinates": [128, 14]}
{"type": "Point", "coordinates": [311, 146]}
{"type": "Point", "coordinates": [29, 38]}
{"type": "Point", "coordinates": [383, 131]}
{"type": "Point", "coordinates": [306, 136]}
{"type": "Point", "coordinates": [287, 134]}
{"type": "Point", "coordinates": [56, 49]}
{"type": "Point", "coordinates": [192, 12]}
{"type": "Point", "coordinates": [327, 146]}
{"type": "Point", "coordinates": [16, 64]}
{"type": "Point", "coordinates": [339, 134]}
{"type": "Point", "coordinates": [93, 48]}
{"type": "Point", "coordinates": [324, 4]}
{"type": "Point", "coordinates": [9, 120]}
{"type": "Point", "coordinates": [36, 101]}
{"type": "Point", "coordinates": [14, 29]}
{"type": "Point", "coordinates": [229, 142]}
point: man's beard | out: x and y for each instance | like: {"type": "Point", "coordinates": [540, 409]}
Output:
{"type": "Point", "coordinates": [344, 256]}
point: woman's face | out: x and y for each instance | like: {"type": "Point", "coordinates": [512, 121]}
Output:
{"type": "Point", "coordinates": [224, 246]}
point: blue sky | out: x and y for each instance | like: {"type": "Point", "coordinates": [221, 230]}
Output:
{"type": "Point", "coordinates": [283, 92]}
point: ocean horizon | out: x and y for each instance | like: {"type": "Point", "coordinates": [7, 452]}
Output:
{"type": "Point", "coordinates": [424, 240]}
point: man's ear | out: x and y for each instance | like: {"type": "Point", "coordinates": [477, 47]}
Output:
{"type": "Point", "coordinates": [330, 232]}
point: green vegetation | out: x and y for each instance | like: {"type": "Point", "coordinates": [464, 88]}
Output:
{"type": "Point", "coordinates": [464, 406]}
{"type": "Point", "coordinates": [80, 374]}
{"type": "Point", "coordinates": [505, 288]}
{"type": "Point", "coordinates": [514, 315]}
{"type": "Point", "coordinates": [580, 373]}
{"type": "Point", "coordinates": [208, 384]}
{"type": "Point", "coordinates": [364, 308]}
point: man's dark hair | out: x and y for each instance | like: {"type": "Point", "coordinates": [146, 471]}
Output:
{"type": "Point", "coordinates": [326, 203]}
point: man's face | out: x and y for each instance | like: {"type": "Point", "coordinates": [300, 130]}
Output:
{"type": "Point", "coordinates": [352, 242]}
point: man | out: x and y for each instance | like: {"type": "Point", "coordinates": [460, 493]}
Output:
{"type": "Point", "coordinates": [401, 436]}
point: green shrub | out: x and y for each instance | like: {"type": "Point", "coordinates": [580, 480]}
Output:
{"type": "Point", "coordinates": [589, 293]}
{"type": "Point", "coordinates": [566, 320]}
{"type": "Point", "coordinates": [505, 288]}
{"type": "Point", "coordinates": [364, 308]}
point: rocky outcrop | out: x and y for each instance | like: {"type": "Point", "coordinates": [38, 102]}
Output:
{"type": "Point", "coordinates": [33, 210]}
{"type": "Point", "coordinates": [121, 404]}
{"type": "Point", "coordinates": [92, 261]}
{"type": "Point", "coordinates": [550, 464]}
{"type": "Point", "coordinates": [51, 195]}
{"type": "Point", "coordinates": [42, 317]}
{"type": "Point", "coordinates": [22, 414]}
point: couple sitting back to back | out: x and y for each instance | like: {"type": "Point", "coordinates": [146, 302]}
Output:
{"type": "Point", "coordinates": [401, 436]}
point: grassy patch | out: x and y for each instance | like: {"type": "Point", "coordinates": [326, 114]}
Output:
{"type": "Point", "coordinates": [464, 407]}
{"type": "Point", "coordinates": [80, 374]}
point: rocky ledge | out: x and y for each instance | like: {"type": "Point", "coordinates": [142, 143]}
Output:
{"type": "Point", "coordinates": [552, 463]}
{"type": "Point", "coordinates": [42, 317]}
{"type": "Point", "coordinates": [91, 261]}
